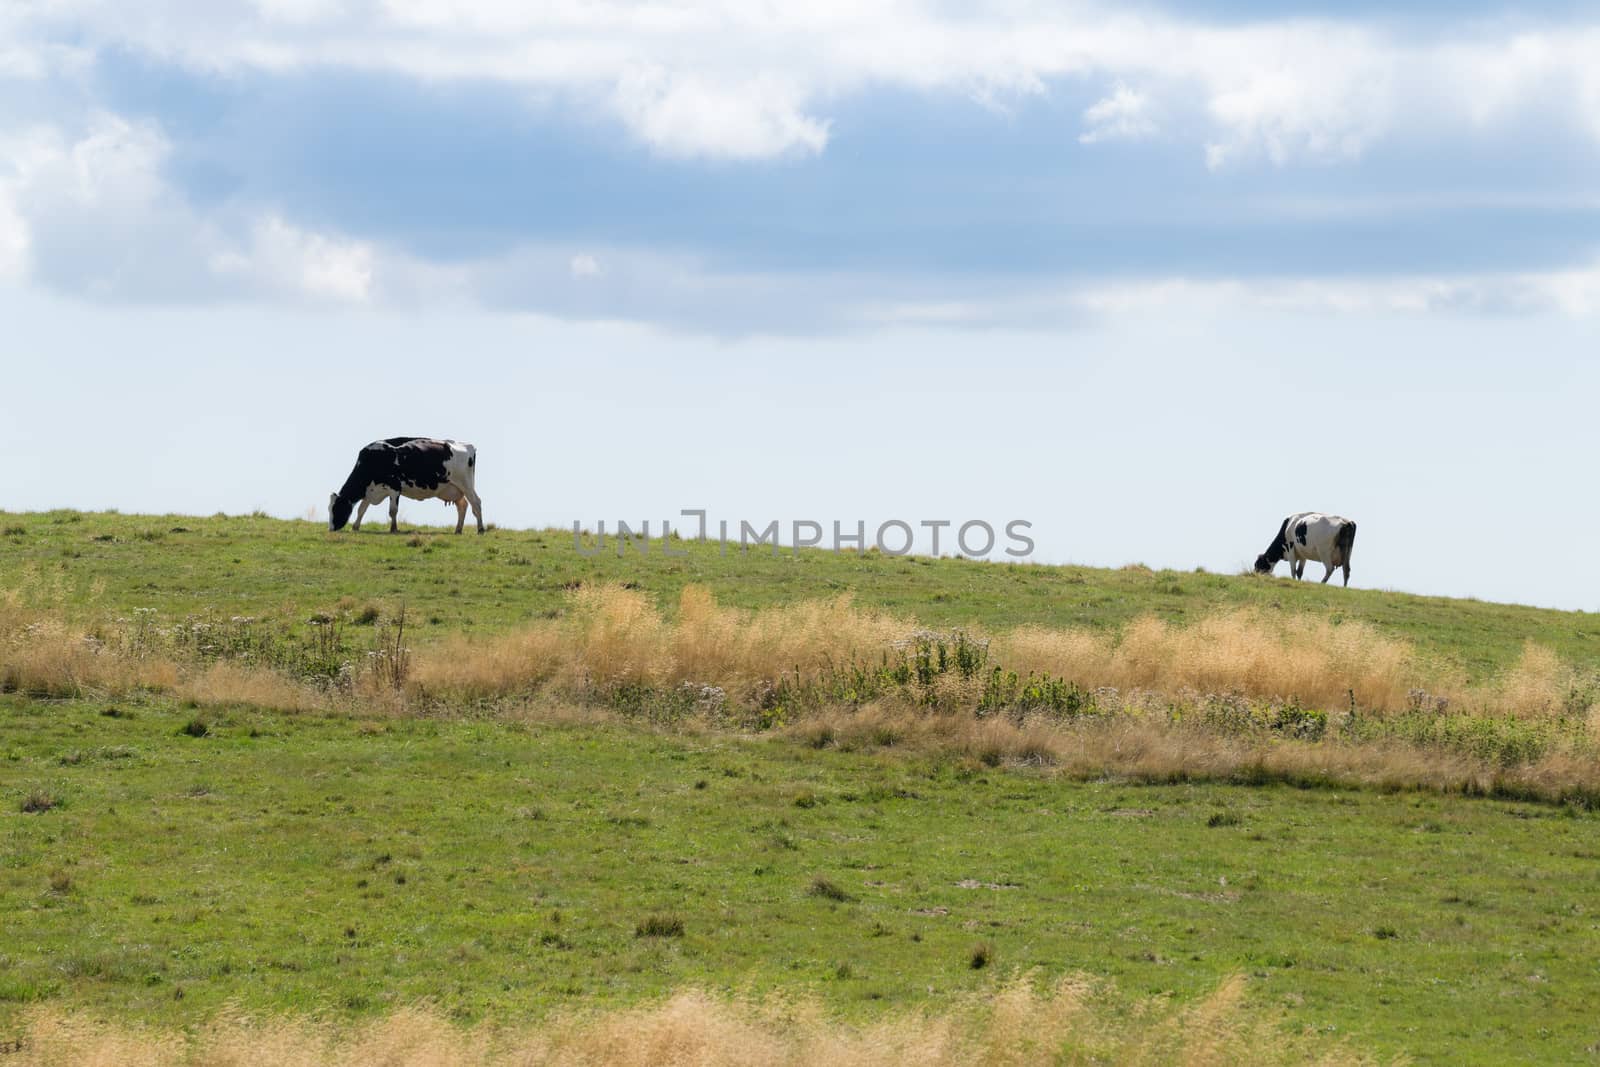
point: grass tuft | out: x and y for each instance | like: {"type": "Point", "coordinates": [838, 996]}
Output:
{"type": "Point", "coordinates": [659, 926]}
{"type": "Point", "coordinates": [39, 801]}
{"type": "Point", "coordinates": [828, 890]}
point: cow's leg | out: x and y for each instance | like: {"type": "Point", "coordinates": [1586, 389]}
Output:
{"type": "Point", "coordinates": [477, 509]}
{"type": "Point", "coordinates": [461, 513]}
{"type": "Point", "coordinates": [394, 512]}
{"type": "Point", "coordinates": [360, 514]}
{"type": "Point", "coordinates": [1347, 574]}
{"type": "Point", "coordinates": [1329, 573]}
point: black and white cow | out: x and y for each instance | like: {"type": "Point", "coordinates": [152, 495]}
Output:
{"type": "Point", "coordinates": [422, 468]}
{"type": "Point", "coordinates": [1311, 535]}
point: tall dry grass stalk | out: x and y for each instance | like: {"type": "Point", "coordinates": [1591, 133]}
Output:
{"type": "Point", "coordinates": [1076, 1021]}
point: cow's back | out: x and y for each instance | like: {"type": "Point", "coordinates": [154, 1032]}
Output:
{"type": "Point", "coordinates": [416, 463]}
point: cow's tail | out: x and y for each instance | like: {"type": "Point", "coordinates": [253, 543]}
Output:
{"type": "Point", "coordinates": [1346, 540]}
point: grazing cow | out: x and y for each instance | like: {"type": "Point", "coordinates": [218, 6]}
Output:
{"type": "Point", "coordinates": [422, 468]}
{"type": "Point", "coordinates": [1311, 535]}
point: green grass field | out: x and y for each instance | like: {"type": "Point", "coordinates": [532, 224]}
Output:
{"type": "Point", "coordinates": [502, 868]}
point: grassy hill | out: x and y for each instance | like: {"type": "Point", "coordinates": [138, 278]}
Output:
{"type": "Point", "coordinates": [166, 852]}
{"type": "Point", "coordinates": [180, 565]}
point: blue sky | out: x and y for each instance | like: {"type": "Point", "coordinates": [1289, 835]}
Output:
{"type": "Point", "coordinates": [1149, 277]}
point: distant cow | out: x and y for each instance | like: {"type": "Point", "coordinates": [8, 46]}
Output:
{"type": "Point", "coordinates": [423, 468]}
{"type": "Point", "coordinates": [1311, 535]}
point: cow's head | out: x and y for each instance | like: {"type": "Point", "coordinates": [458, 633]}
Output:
{"type": "Point", "coordinates": [1265, 563]}
{"type": "Point", "coordinates": [338, 511]}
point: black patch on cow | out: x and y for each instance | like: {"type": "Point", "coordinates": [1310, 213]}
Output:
{"type": "Point", "coordinates": [1299, 531]}
{"type": "Point", "coordinates": [393, 462]}
{"type": "Point", "coordinates": [1269, 559]}
{"type": "Point", "coordinates": [1346, 541]}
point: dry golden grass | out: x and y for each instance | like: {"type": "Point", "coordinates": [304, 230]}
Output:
{"type": "Point", "coordinates": [44, 655]}
{"type": "Point", "coordinates": [616, 636]}
{"type": "Point", "coordinates": [1295, 657]}
{"type": "Point", "coordinates": [613, 636]}
{"type": "Point", "coordinates": [1538, 685]}
{"type": "Point", "coordinates": [1077, 1021]}
{"type": "Point", "coordinates": [738, 649]}
{"type": "Point", "coordinates": [476, 669]}
{"type": "Point", "coordinates": [233, 684]}
{"type": "Point", "coordinates": [1150, 750]}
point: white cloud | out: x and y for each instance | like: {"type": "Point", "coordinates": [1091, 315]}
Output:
{"type": "Point", "coordinates": [91, 212]}
{"type": "Point", "coordinates": [1303, 106]}
{"type": "Point", "coordinates": [926, 313]}
{"type": "Point", "coordinates": [1574, 292]}
{"type": "Point", "coordinates": [753, 81]}
{"type": "Point", "coordinates": [1125, 115]}
{"type": "Point", "coordinates": [685, 115]}
{"type": "Point", "coordinates": [13, 239]}
{"type": "Point", "coordinates": [91, 204]}
{"type": "Point", "coordinates": [685, 293]}
{"type": "Point", "coordinates": [20, 155]}
{"type": "Point", "coordinates": [297, 261]}
{"type": "Point", "coordinates": [1570, 293]}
